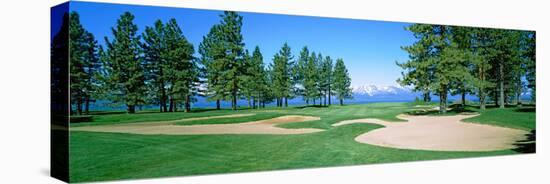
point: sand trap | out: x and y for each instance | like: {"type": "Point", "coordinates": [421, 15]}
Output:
{"type": "Point", "coordinates": [169, 128]}
{"type": "Point", "coordinates": [441, 133]}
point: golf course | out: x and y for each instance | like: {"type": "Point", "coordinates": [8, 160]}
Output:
{"type": "Point", "coordinates": [158, 91]}
{"type": "Point", "coordinates": [99, 155]}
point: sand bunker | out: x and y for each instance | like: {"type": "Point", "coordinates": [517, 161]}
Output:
{"type": "Point", "coordinates": [169, 127]}
{"type": "Point", "coordinates": [441, 133]}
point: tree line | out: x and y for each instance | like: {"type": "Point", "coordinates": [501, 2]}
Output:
{"type": "Point", "coordinates": [158, 66]}
{"type": "Point", "coordinates": [494, 64]}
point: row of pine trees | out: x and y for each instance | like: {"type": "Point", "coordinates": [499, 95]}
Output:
{"type": "Point", "coordinates": [496, 65]}
{"type": "Point", "coordinates": [159, 67]}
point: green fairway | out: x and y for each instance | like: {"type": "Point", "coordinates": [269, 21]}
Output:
{"type": "Point", "coordinates": [106, 156]}
{"type": "Point", "coordinates": [520, 118]}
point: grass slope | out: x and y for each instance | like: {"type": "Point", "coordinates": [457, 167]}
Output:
{"type": "Point", "coordinates": [108, 156]}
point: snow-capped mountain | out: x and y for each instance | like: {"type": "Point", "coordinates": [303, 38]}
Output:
{"type": "Point", "coordinates": [382, 93]}
{"type": "Point", "coordinates": [372, 90]}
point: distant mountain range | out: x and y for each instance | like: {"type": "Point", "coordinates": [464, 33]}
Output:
{"type": "Point", "coordinates": [374, 93]}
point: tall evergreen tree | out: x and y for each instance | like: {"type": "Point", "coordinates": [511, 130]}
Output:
{"type": "Point", "coordinates": [480, 41]}
{"type": "Point", "coordinates": [233, 62]}
{"type": "Point", "coordinates": [436, 51]}
{"type": "Point", "coordinates": [123, 64]}
{"type": "Point", "coordinates": [154, 47]}
{"type": "Point", "coordinates": [326, 79]}
{"type": "Point", "coordinates": [83, 64]}
{"type": "Point", "coordinates": [300, 71]}
{"type": "Point", "coordinates": [258, 81]}
{"type": "Point", "coordinates": [418, 71]}
{"type": "Point", "coordinates": [182, 73]}
{"type": "Point", "coordinates": [282, 80]}
{"type": "Point", "coordinates": [529, 55]}
{"type": "Point", "coordinates": [320, 77]}
{"type": "Point", "coordinates": [310, 78]}
{"type": "Point", "coordinates": [342, 82]}
{"type": "Point", "coordinates": [212, 58]}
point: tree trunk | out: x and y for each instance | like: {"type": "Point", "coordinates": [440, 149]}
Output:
{"type": "Point", "coordinates": [427, 97]}
{"type": "Point", "coordinates": [187, 103]}
{"type": "Point", "coordinates": [87, 106]}
{"type": "Point", "coordinates": [163, 101]}
{"type": "Point", "coordinates": [501, 85]}
{"type": "Point", "coordinates": [329, 102]}
{"type": "Point", "coordinates": [518, 98]}
{"type": "Point", "coordinates": [325, 98]}
{"type": "Point", "coordinates": [341, 102]}
{"type": "Point", "coordinates": [463, 98]}
{"type": "Point", "coordinates": [79, 106]}
{"type": "Point", "coordinates": [481, 99]}
{"type": "Point", "coordinates": [443, 99]}
{"type": "Point", "coordinates": [218, 104]}
{"type": "Point", "coordinates": [249, 102]}
{"type": "Point", "coordinates": [131, 109]}
{"type": "Point", "coordinates": [234, 100]}
{"type": "Point", "coordinates": [171, 105]}
{"type": "Point", "coordinates": [286, 102]}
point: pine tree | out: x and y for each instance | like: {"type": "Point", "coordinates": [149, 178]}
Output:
{"type": "Point", "coordinates": [258, 79]}
{"type": "Point", "coordinates": [182, 73]}
{"type": "Point", "coordinates": [233, 62]}
{"type": "Point", "coordinates": [342, 82]}
{"type": "Point", "coordinates": [326, 79]}
{"type": "Point", "coordinates": [530, 61]}
{"type": "Point", "coordinates": [212, 59]}
{"type": "Point", "coordinates": [480, 42]}
{"type": "Point", "coordinates": [300, 73]}
{"type": "Point", "coordinates": [437, 51]}
{"type": "Point", "coordinates": [154, 46]}
{"type": "Point", "coordinates": [320, 77]}
{"type": "Point", "coordinates": [123, 64]}
{"type": "Point", "coordinates": [311, 78]}
{"type": "Point", "coordinates": [83, 63]}
{"type": "Point", "coordinates": [282, 81]}
{"type": "Point", "coordinates": [418, 72]}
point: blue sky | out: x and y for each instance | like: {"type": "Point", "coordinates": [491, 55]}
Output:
{"type": "Point", "coordinates": [369, 48]}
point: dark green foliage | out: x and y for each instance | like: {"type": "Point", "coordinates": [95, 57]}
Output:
{"type": "Point", "coordinates": [282, 79]}
{"type": "Point", "coordinates": [342, 82]}
{"type": "Point", "coordinates": [326, 76]}
{"type": "Point", "coordinates": [463, 60]}
{"type": "Point", "coordinates": [529, 55]}
{"type": "Point", "coordinates": [223, 57]}
{"type": "Point", "coordinates": [84, 64]}
{"type": "Point", "coordinates": [255, 82]}
{"type": "Point", "coordinates": [124, 74]}
{"type": "Point", "coordinates": [182, 73]}
{"type": "Point", "coordinates": [311, 78]}
{"type": "Point", "coordinates": [212, 58]}
{"type": "Point", "coordinates": [154, 47]}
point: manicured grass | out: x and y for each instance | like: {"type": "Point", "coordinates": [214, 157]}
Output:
{"type": "Point", "coordinates": [244, 119]}
{"type": "Point", "coordinates": [116, 118]}
{"type": "Point", "coordinates": [107, 156]}
{"type": "Point", "coordinates": [520, 118]}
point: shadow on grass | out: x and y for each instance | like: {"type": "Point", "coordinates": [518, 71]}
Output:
{"type": "Point", "coordinates": [79, 119]}
{"type": "Point", "coordinates": [311, 106]}
{"type": "Point", "coordinates": [528, 145]}
{"type": "Point", "coordinates": [526, 109]}
{"type": "Point", "coordinates": [455, 109]}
